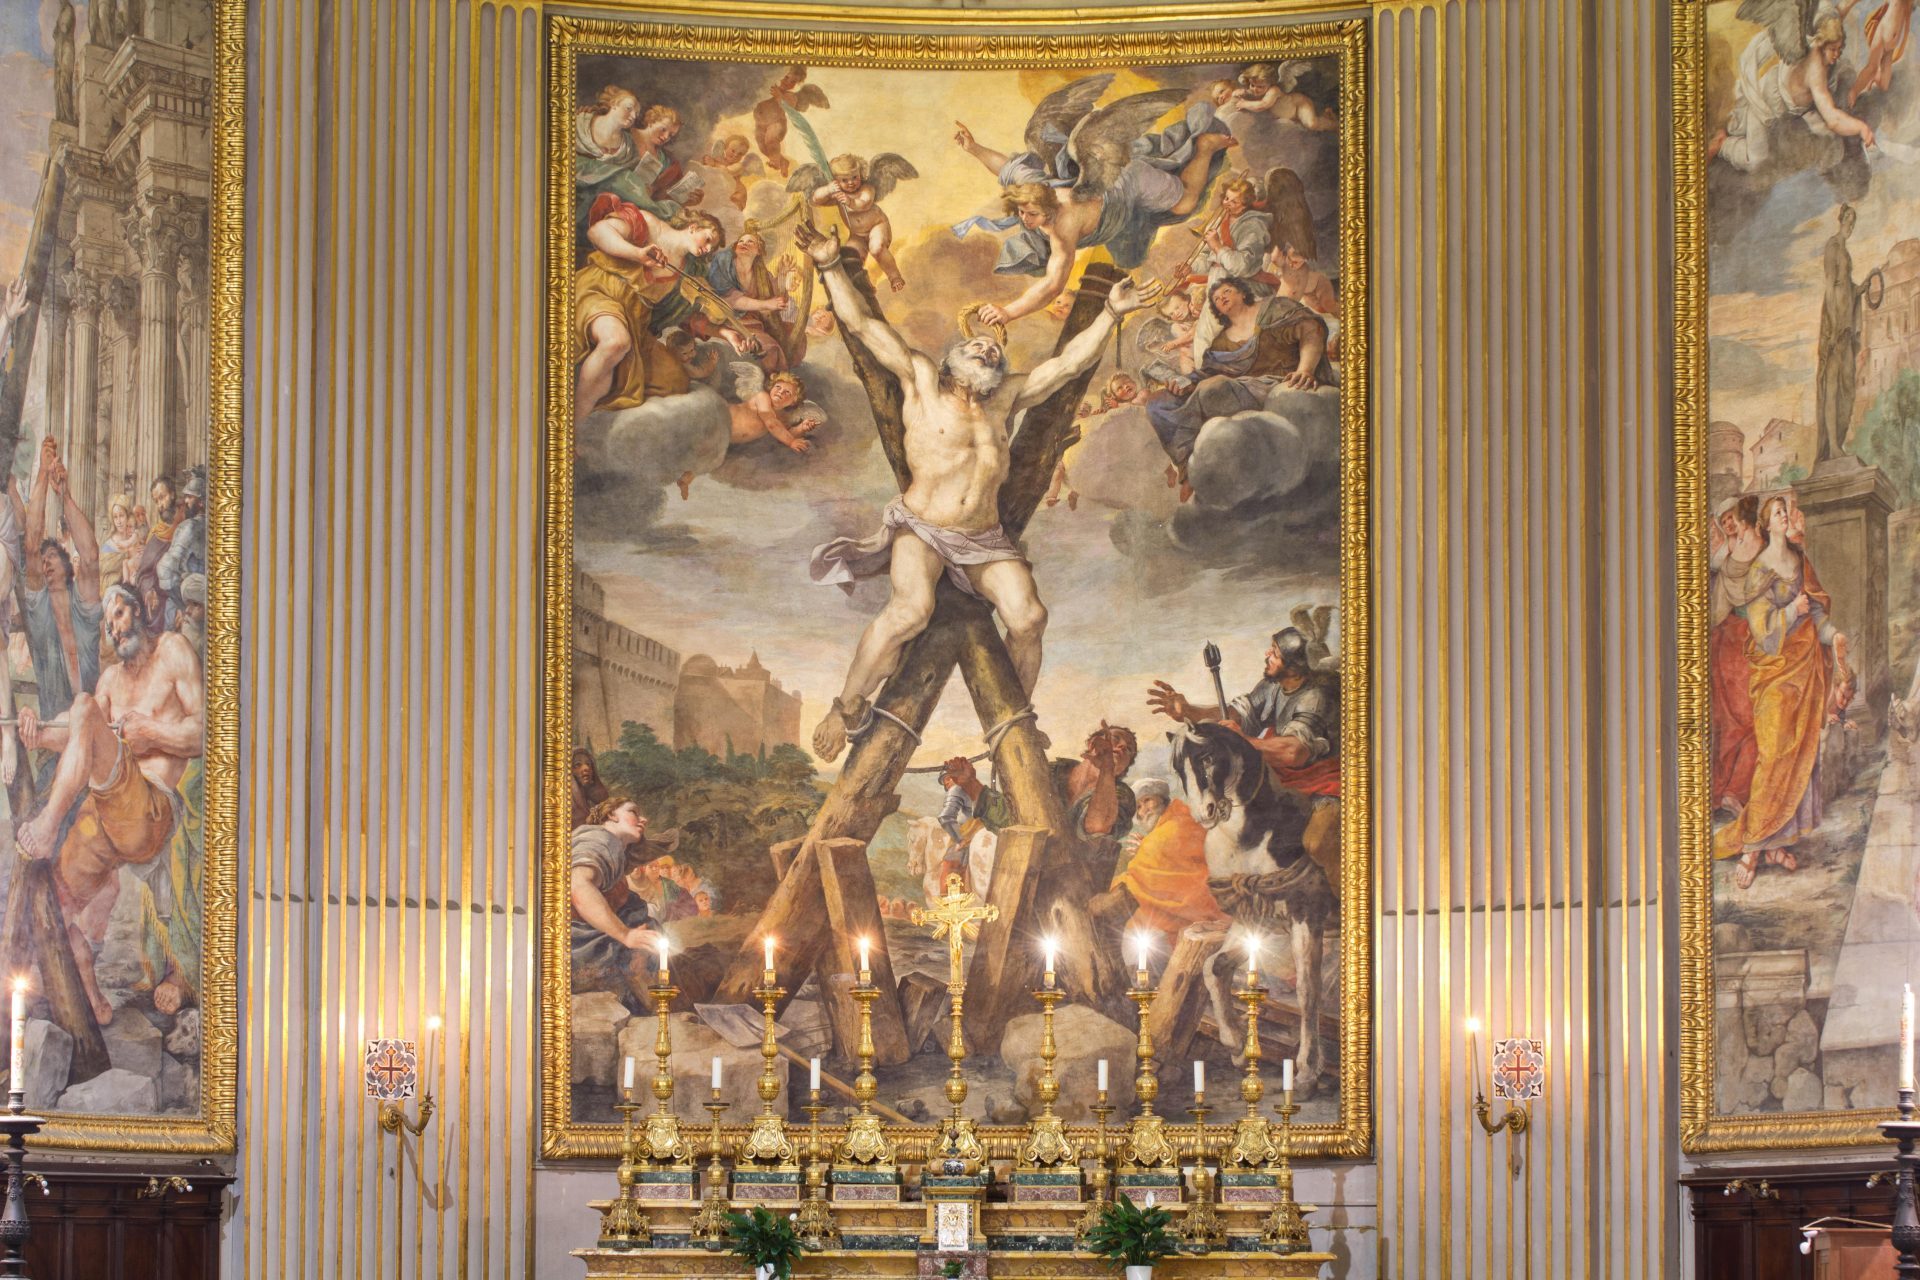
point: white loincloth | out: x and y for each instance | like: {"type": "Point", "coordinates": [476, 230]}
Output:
{"type": "Point", "coordinates": [845, 560]}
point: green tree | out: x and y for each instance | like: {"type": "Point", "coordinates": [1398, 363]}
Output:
{"type": "Point", "coordinates": [1888, 437]}
{"type": "Point", "coordinates": [729, 809]}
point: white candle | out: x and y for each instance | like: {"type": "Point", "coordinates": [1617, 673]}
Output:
{"type": "Point", "coordinates": [663, 959]}
{"type": "Point", "coordinates": [18, 1080]}
{"type": "Point", "coordinates": [1286, 1075]}
{"type": "Point", "coordinates": [433, 1049]}
{"type": "Point", "coordinates": [866, 960]}
{"type": "Point", "coordinates": [1199, 1076]}
{"type": "Point", "coordinates": [1907, 1033]}
{"type": "Point", "coordinates": [1103, 1075]}
{"type": "Point", "coordinates": [716, 1071]}
{"type": "Point", "coordinates": [768, 941]}
{"type": "Point", "coordinates": [1140, 958]}
{"type": "Point", "coordinates": [626, 1080]}
{"type": "Point", "coordinates": [813, 1075]}
{"type": "Point", "coordinates": [1253, 958]}
{"type": "Point", "coordinates": [1051, 948]}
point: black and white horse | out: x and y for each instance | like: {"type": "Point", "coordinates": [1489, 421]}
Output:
{"type": "Point", "coordinates": [1258, 867]}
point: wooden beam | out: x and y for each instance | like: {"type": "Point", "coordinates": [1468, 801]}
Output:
{"type": "Point", "coordinates": [1183, 995]}
{"type": "Point", "coordinates": [853, 912]}
{"type": "Point", "coordinates": [44, 930]}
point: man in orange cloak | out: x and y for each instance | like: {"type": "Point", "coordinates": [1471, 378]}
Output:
{"type": "Point", "coordinates": [1167, 875]}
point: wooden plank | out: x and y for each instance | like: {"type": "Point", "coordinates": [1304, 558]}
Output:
{"type": "Point", "coordinates": [1183, 993]}
{"type": "Point", "coordinates": [1002, 967]}
{"type": "Point", "coordinates": [782, 856]}
{"type": "Point", "coordinates": [853, 912]}
{"type": "Point", "coordinates": [923, 1000]}
{"type": "Point", "coordinates": [794, 915]}
{"type": "Point", "coordinates": [45, 931]}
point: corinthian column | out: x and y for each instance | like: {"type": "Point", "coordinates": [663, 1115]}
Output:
{"type": "Point", "coordinates": [196, 369]}
{"type": "Point", "coordinates": [156, 231]}
{"type": "Point", "coordinates": [84, 297]}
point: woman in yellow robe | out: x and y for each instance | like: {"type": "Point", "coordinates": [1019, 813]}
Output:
{"type": "Point", "coordinates": [1793, 689]}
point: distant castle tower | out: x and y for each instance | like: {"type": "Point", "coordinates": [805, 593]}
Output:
{"type": "Point", "coordinates": [618, 674]}
{"type": "Point", "coordinates": [1890, 342]}
{"type": "Point", "coordinates": [739, 708]}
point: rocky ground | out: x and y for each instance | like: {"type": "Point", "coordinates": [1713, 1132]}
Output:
{"type": "Point", "coordinates": [1772, 1003]}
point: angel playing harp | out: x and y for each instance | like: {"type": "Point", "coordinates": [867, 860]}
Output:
{"type": "Point", "coordinates": [1094, 176]}
{"type": "Point", "coordinates": [856, 186]}
{"type": "Point", "coordinates": [1789, 70]}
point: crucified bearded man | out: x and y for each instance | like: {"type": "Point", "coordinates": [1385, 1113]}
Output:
{"type": "Point", "coordinates": [122, 749]}
{"type": "Point", "coordinates": [959, 414]}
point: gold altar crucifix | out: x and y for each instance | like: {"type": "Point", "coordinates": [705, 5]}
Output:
{"type": "Point", "coordinates": [957, 916]}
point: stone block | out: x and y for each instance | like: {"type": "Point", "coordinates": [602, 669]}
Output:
{"type": "Point", "coordinates": [113, 1093]}
{"type": "Point", "coordinates": [695, 1045]}
{"type": "Point", "coordinates": [1803, 1092]}
{"type": "Point", "coordinates": [1766, 1028]}
{"type": "Point", "coordinates": [1082, 1037]}
{"type": "Point", "coordinates": [598, 1019]}
{"type": "Point", "coordinates": [806, 1029]}
{"type": "Point", "coordinates": [133, 1044]}
{"type": "Point", "coordinates": [179, 1086]}
{"type": "Point", "coordinates": [49, 1060]}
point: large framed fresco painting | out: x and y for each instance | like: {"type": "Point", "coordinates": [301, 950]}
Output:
{"type": "Point", "coordinates": [927, 408]}
{"type": "Point", "coordinates": [1797, 436]}
{"type": "Point", "coordinates": [120, 197]}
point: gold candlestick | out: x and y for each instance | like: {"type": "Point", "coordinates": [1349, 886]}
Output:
{"type": "Point", "coordinates": [1286, 1227]}
{"type": "Point", "coordinates": [623, 1223]}
{"type": "Point", "coordinates": [865, 1142]}
{"type": "Point", "coordinates": [709, 1225]}
{"type": "Point", "coordinates": [815, 1220]}
{"type": "Point", "coordinates": [1049, 1144]}
{"type": "Point", "coordinates": [664, 1145]}
{"type": "Point", "coordinates": [957, 916]}
{"type": "Point", "coordinates": [767, 1142]}
{"type": "Point", "coordinates": [1146, 1145]}
{"type": "Point", "coordinates": [1101, 1153]}
{"type": "Point", "coordinates": [1252, 1146]}
{"type": "Point", "coordinates": [1202, 1228]}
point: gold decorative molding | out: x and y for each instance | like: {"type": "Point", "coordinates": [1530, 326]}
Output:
{"type": "Point", "coordinates": [212, 1132]}
{"type": "Point", "coordinates": [949, 41]}
{"type": "Point", "coordinates": [1703, 1128]}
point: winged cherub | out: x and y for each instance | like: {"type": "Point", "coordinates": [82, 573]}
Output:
{"type": "Point", "coordinates": [790, 92]}
{"type": "Point", "coordinates": [856, 187]}
{"type": "Point", "coordinates": [1276, 91]}
{"type": "Point", "coordinates": [1094, 176]}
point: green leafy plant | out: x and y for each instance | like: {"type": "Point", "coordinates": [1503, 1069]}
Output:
{"type": "Point", "coordinates": [765, 1240]}
{"type": "Point", "coordinates": [1128, 1236]}
{"type": "Point", "coordinates": [952, 1268]}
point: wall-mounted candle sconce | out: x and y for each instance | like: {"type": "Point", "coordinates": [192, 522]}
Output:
{"type": "Point", "coordinates": [1519, 1077]}
{"type": "Point", "coordinates": [394, 1076]}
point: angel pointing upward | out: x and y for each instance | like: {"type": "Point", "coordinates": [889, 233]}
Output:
{"type": "Point", "coordinates": [1094, 176]}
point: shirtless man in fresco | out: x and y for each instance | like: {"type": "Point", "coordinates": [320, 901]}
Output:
{"type": "Point", "coordinates": [959, 415]}
{"type": "Point", "coordinates": [122, 751]}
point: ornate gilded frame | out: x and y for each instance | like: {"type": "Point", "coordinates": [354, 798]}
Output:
{"type": "Point", "coordinates": [1024, 39]}
{"type": "Point", "coordinates": [213, 1131]}
{"type": "Point", "coordinates": [1702, 1128]}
